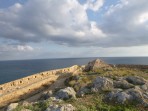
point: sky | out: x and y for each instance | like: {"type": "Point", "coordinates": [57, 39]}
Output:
{"type": "Point", "coordinates": [37, 29]}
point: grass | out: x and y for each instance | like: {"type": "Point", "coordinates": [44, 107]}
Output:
{"type": "Point", "coordinates": [94, 103]}
{"type": "Point", "coordinates": [120, 72]}
{"type": "Point", "coordinates": [39, 106]}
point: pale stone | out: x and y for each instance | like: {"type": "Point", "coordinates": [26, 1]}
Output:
{"type": "Point", "coordinates": [66, 93]}
{"type": "Point", "coordinates": [12, 106]}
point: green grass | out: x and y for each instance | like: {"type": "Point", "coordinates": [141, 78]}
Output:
{"type": "Point", "coordinates": [94, 103]}
{"type": "Point", "coordinates": [39, 106]}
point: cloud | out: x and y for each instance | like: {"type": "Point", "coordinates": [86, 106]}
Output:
{"type": "Point", "coordinates": [17, 48]}
{"type": "Point", "coordinates": [126, 23]}
{"type": "Point", "coordinates": [63, 22]}
{"type": "Point", "coordinates": [94, 5]}
{"type": "Point", "coordinates": [11, 51]}
{"type": "Point", "coordinates": [66, 22]}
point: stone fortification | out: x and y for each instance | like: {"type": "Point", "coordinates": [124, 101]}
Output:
{"type": "Point", "coordinates": [15, 90]}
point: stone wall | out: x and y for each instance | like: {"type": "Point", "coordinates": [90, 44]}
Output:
{"type": "Point", "coordinates": [15, 89]}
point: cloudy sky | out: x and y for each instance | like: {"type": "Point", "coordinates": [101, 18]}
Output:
{"type": "Point", "coordinates": [34, 29]}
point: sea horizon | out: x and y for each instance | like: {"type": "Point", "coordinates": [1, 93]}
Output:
{"type": "Point", "coordinates": [75, 58]}
{"type": "Point", "coordinates": [14, 69]}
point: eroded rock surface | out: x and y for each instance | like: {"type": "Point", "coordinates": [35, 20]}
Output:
{"type": "Point", "coordinates": [12, 106]}
{"type": "Point", "coordinates": [65, 107]}
{"type": "Point", "coordinates": [96, 64]}
{"type": "Point", "coordinates": [123, 84]}
{"type": "Point", "coordinates": [136, 80]}
{"type": "Point", "coordinates": [102, 84]}
{"type": "Point", "coordinates": [66, 93]}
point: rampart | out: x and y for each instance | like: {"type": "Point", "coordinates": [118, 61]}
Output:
{"type": "Point", "coordinates": [16, 89]}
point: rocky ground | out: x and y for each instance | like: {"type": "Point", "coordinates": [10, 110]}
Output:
{"type": "Point", "coordinates": [97, 87]}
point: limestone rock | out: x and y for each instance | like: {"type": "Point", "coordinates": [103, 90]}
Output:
{"type": "Point", "coordinates": [118, 97]}
{"type": "Point", "coordinates": [25, 103]}
{"type": "Point", "coordinates": [144, 87]}
{"type": "Point", "coordinates": [66, 93]}
{"type": "Point", "coordinates": [136, 80]}
{"type": "Point", "coordinates": [136, 94]}
{"type": "Point", "coordinates": [96, 64]}
{"type": "Point", "coordinates": [66, 107]}
{"type": "Point", "coordinates": [83, 91]}
{"type": "Point", "coordinates": [102, 84]}
{"type": "Point", "coordinates": [54, 99]}
{"type": "Point", "coordinates": [130, 96]}
{"type": "Point", "coordinates": [123, 84]}
{"type": "Point", "coordinates": [26, 110]}
{"type": "Point", "coordinates": [12, 106]}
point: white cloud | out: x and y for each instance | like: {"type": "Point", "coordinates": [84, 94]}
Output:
{"type": "Point", "coordinates": [143, 18]}
{"type": "Point", "coordinates": [121, 23]}
{"type": "Point", "coordinates": [12, 48]}
{"type": "Point", "coordinates": [24, 48]}
{"type": "Point", "coordinates": [94, 5]}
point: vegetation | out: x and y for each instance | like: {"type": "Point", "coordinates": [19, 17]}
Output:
{"type": "Point", "coordinates": [95, 102]}
{"type": "Point", "coordinates": [39, 106]}
{"type": "Point", "coordinates": [92, 102]}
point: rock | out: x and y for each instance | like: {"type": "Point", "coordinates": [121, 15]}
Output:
{"type": "Point", "coordinates": [26, 110]}
{"type": "Point", "coordinates": [118, 97]}
{"type": "Point", "coordinates": [53, 108]}
{"type": "Point", "coordinates": [66, 107]}
{"type": "Point", "coordinates": [130, 96]}
{"type": "Point", "coordinates": [12, 106]}
{"type": "Point", "coordinates": [102, 84]}
{"type": "Point", "coordinates": [123, 84]}
{"type": "Point", "coordinates": [144, 87]}
{"type": "Point", "coordinates": [46, 95]}
{"type": "Point", "coordinates": [66, 93]}
{"type": "Point", "coordinates": [72, 78]}
{"type": "Point", "coordinates": [83, 91]}
{"type": "Point", "coordinates": [54, 99]}
{"type": "Point", "coordinates": [96, 64]}
{"type": "Point", "coordinates": [25, 103]}
{"type": "Point", "coordinates": [136, 80]}
{"type": "Point", "coordinates": [145, 95]}
{"type": "Point", "coordinates": [137, 96]}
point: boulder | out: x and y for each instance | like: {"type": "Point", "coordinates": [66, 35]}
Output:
{"type": "Point", "coordinates": [136, 80]}
{"type": "Point", "coordinates": [65, 107]}
{"type": "Point", "coordinates": [26, 103]}
{"type": "Point", "coordinates": [83, 91]}
{"type": "Point", "coordinates": [54, 99]}
{"type": "Point", "coordinates": [144, 87]}
{"type": "Point", "coordinates": [130, 96]}
{"type": "Point", "coordinates": [123, 84]}
{"type": "Point", "coordinates": [117, 97]}
{"type": "Point", "coordinates": [66, 93]}
{"type": "Point", "coordinates": [12, 106]}
{"type": "Point", "coordinates": [96, 64]}
{"type": "Point", "coordinates": [26, 110]}
{"type": "Point", "coordinates": [137, 95]}
{"type": "Point", "coordinates": [102, 84]}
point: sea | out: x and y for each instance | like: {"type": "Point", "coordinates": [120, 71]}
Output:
{"type": "Point", "coordinates": [15, 69]}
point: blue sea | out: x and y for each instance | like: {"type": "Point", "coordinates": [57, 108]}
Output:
{"type": "Point", "coordinates": [11, 70]}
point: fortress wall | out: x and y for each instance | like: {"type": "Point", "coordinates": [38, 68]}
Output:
{"type": "Point", "coordinates": [19, 87]}
{"type": "Point", "coordinates": [25, 90]}
{"type": "Point", "coordinates": [30, 79]}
